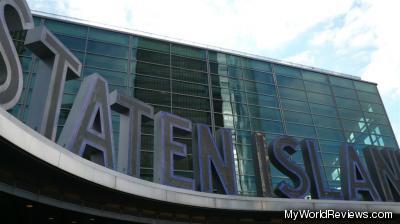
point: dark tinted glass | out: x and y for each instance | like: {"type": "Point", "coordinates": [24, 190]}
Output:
{"type": "Point", "coordinates": [151, 56]}
{"type": "Point", "coordinates": [107, 49]}
{"type": "Point", "coordinates": [295, 105]}
{"type": "Point", "coordinates": [108, 36]}
{"type": "Point", "coordinates": [289, 82]}
{"type": "Point", "coordinates": [297, 117]}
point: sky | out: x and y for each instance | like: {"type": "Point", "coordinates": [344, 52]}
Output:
{"type": "Point", "coordinates": [356, 37]}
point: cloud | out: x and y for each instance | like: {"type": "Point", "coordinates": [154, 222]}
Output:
{"type": "Point", "coordinates": [305, 58]}
{"type": "Point", "coordinates": [248, 25]}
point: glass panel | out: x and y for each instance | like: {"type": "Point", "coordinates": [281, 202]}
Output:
{"type": "Point", "coordinates": [260, 88]}
{"type": "Point", "coordinates": [188, 51]}
{"type": "Point", "coordinates": [326, 121]}
{"type": "Point", "coordinates": [264, 112]}
{"type": "Point", "coordinates": [320, 98]}
{"type": "Point", "coordinates": [298, 117]}
{"type": "Point", "coordinates": [107, 49]}
{"type": "Point", "coordinates": [282, 69]}
{"type": "Point", "coordinates": [72, 43]}
{"type": "Point", "coordinates": [300, 130]}
{"type": "Point", "coordinates": [108, 36]}
{"type": "Point", "coordinates": [322, 109]}
{"type": "Point", "coordinates": [189, 63]}
{"type": "Point", "coordinates": [150, 69]}
{"type": "Point", "coordinates": [190, 89]}
{"type": "Point", "coordinates": [317, 87]}
{"type": "Point", "coordinates": [290, 82]}
{"type": "Point", "coordinates": [106, 62]}
{"type": "Point", "coordinates": [259, 65]}
{"type": "Point", "coordinates": [351, 114]}
{"type": "Point", "coordinates": [313, 76]}
{"type": "Point", "coordinates": [235, 72]}
{"type": "Point", "coordinates": [190, 102]}
{"type": "Point", "coordinates": [151, 83]}
{"type": "Point", "coordinates": [357, 138]}
{"type": "Point", "coordinates": [369, 87]}
{"type": "Point", "coordinates": [327, 146]}
{"type": "Point", "coordinates": [347, 103]}
{"type": "Point", "coordinates": [224, 120]}
{"type": "Point", "coordinates": [152, 44]}
{"type": "Point", "coordinates": [218, 69]}
{"type": "Point", "coordinates": [261, 100]}
{"type": "Point", "coordinates": [292, 93]}
{"type": "Point", "coordinates": [189, 76]}
{"type": "Point", "coordinates": [372, 107]}
{"type": "Point", "coordinates": [354, 125]}
{"type": "Point", "coordinates": [217, 57]}
{"type": "Point", "coordinates": [153, 97]}
{"type": "Point", "coordinates": [341, 82]}
{"type": "Point", "coordinates": [150, 56]}
{"type": "Point", "coordinates": [234, 60]}
{"type": "Point", "coordinates": [332, 134]}
{"type": "Point", "coordinates": [66, 28]}
{"type": "Point", "coordinates": [344, 92]}
{"type": "Point", "coordinates": [369, 97]}
{"type": "Point", "coordinates": [113, 78]}
{"type": "Point", "coordinates": [267, 126]}
{"type": "Point", "coordinates": [376, 118]}
{"type": "Point", "coordinates": [258, 76]}
{"type": "Point", "coordinates": [194, 116]}
{"type": "Point", "coordinates": [380, 129]}
{"type": "Point", "coordinates": [384, 141]}
{"type": "Point", "coordinates": [295, 105]}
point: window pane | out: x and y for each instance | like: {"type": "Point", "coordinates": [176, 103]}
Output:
{"type": "Point", "coordinates": [190, 76]}
{"type": "Point", "coordinates": [151, 44]}
{"type": "Point", "coordinates": [380, 129]}
{"type": "Point", "coordinates": [369, 97]}
{"type": "Point", "coordinates": [376, 118]}
{"type": "Point", "coordinates": [264, 112]}
{"type": "Point", "coordinates": [358, 126]}
{"type": "Point", "coordinates": [289, 82]}
{"type": "Point", "coordinates": [188, 51]}
{"type": "Point", "coordinates": [295, 105]}
{"type": "Point", "coordinates": [113, 78]}
{"type": "Point", "coordinates": [326, 121]}
{"type": "Point", "coordinates": [384, 141]}
{"type": "Point", "coordinates": [317, 87]}
{"type": "Point", "coordinates": [190, 102]}
{"type": "Point", "coordinates": [267, 126]}
{"type": "Point", "coordinates": [260, 88]}
{"type": "Point", "coordinates": [258, 65]}
{"type": "Point", "coordinates": [286, 70]}
{"type": "Point", "coordinates": [190, 89]}
{"type": "Point", "coordinates": [292, 93]}
{"type": "Point", "coordinates": [298, 117]}
{"type": "Point", "coordinates": [66, 28]}
{"type": "Point", "coordinates": [320, 98]}
{"type": "Point", "coordinates": [325, 133]}
{"type": "Point", "coordinates": [107, 49]}
{"type": "Point", "coordinates": [189, 63]}
{"type": "Point", "coordinates": [150, 69]}
{"type": "Point", "coordinates": [344, 92]}
{"type": "Point", "coordinates": [150, 56]}
{"type": "Point", "coordinates": [194, 116]}
{"type": "Point", "coordinates": [72, 43]}
{"type": "Point", "coordinates": [234, 60]}
{"type": "Point", "coordinates": [258, 76]}
{"type": "Point", "coordinates": [347, 103]}
{"type": "Point", "coordinates": [261, 100]}
{"type": "Point", "coordinates": [372, 107]}
{"type": "Point", "coordinates": [218, 69]}
{"type": "Point", "coordinates": [153, 97]}
{"type": "Point", "coordinates": [108, 36]}
{"type": "Point", "coordinates": [300, 130]}
{"type": "Point", "coordinates": [341, 82]}
{"type": "Point", "coordinates": [351, 114]}
{"type": "Point", "coordinates": [235, 72]}
{"type": "Point", "coordinates": [106, 62]}
{"type": "Point", "coordinates": [369, 87]}
{"type": "Point", "coordinates": [151, 83]}
{"type": "Point", "coordinates": [327, 146]}
{"type": "Point", "coordinates": [313, 76]}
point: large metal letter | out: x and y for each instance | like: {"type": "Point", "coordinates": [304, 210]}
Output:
{"type": "Point", "coordinates": [165, 149]}
{"type": "Point", "coordinates": [278, 151]}
{"type": "Point", "coordinates": [88, 131]}
{"type": "Point", "coordinates": [131, 111]}
{"type": "Point", "coordinates": [57, 64]}
{"type": "Point", "coordinates": [14, 15]}
{"type": "Point", "coordinates": [312, 162]}
{"type": "Point", "coordinates": [355, 179]}
{"type": "Point", "coordinates": [384, 166]}
{"type": "Point", "coordinates": [208, 153]}
{"type": "Point", "coordinates": [261, 166]}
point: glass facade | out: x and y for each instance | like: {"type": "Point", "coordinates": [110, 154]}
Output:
{"type": "Point", "coordinates": [221, 90]}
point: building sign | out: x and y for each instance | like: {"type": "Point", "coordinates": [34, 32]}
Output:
{"type": "Point", "coordinates": [88, 130]}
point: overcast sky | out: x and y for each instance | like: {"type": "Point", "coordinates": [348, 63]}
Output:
{"type": "Point", "coordinates": [360, 38]}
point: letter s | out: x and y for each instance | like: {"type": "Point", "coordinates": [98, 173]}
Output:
{"type": "Point", "coordinates": [14, 15]}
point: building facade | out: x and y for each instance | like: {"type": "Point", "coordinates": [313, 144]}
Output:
{"type": "Point", "coordinates": [220, 88]}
